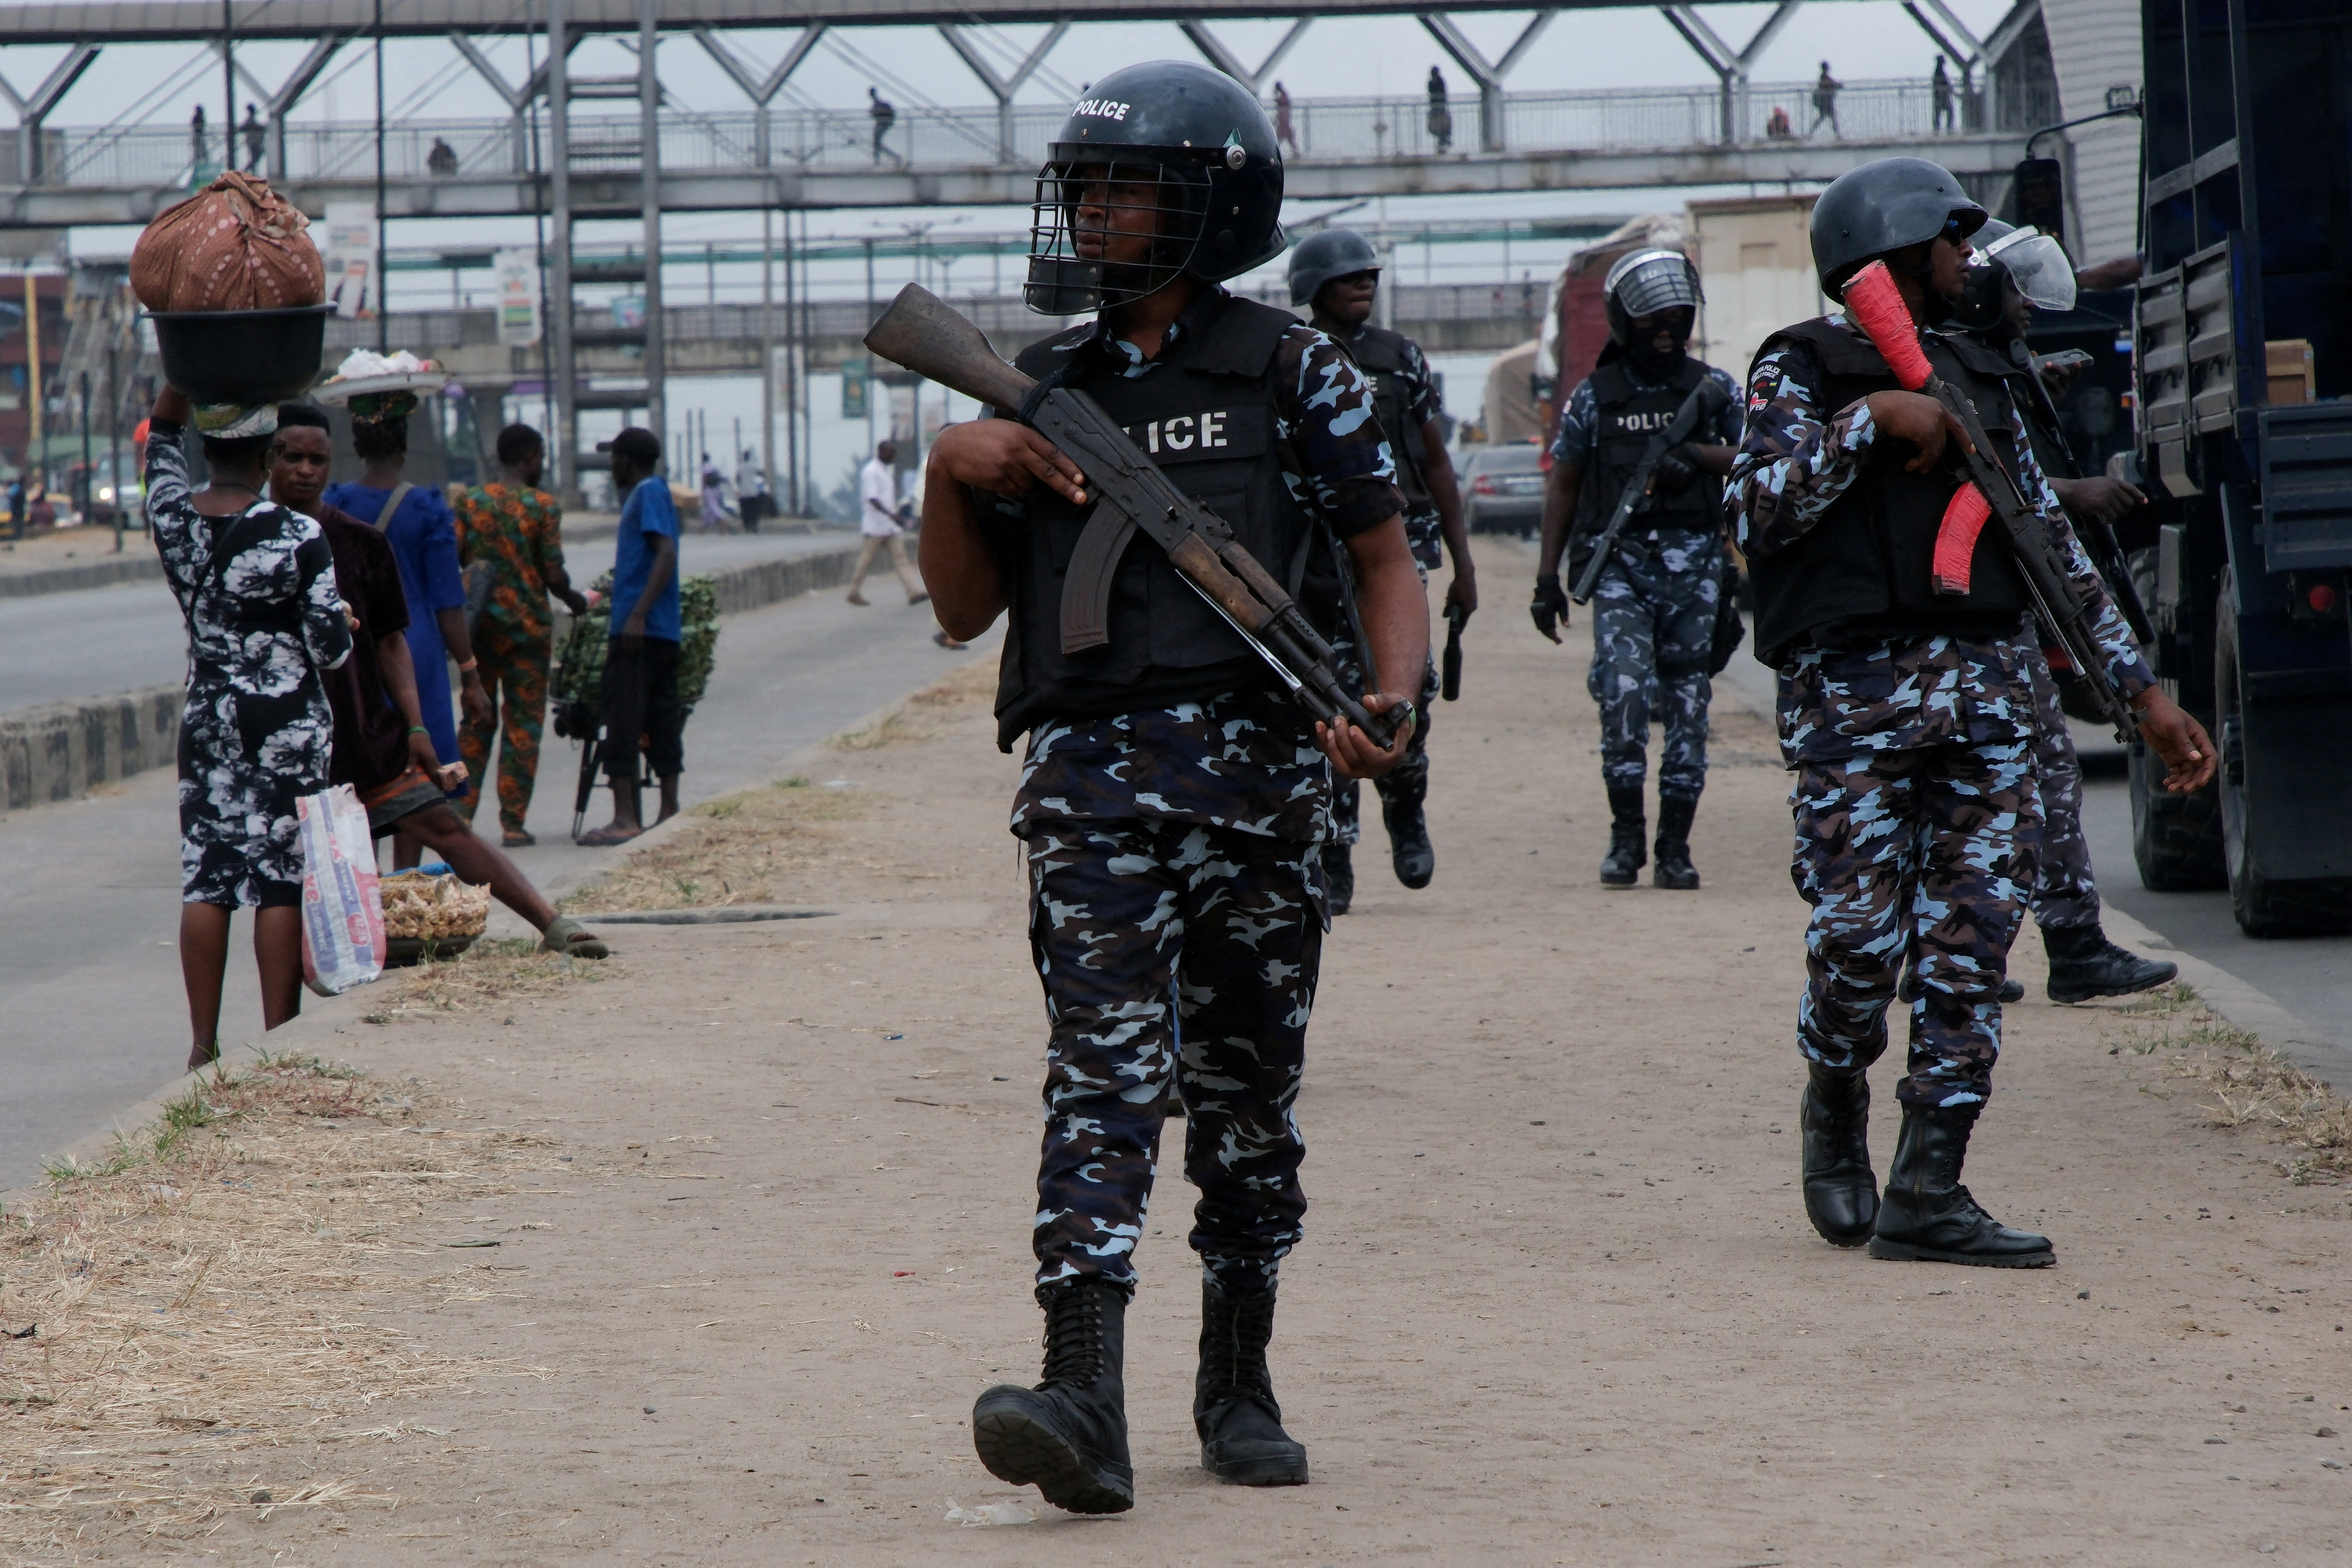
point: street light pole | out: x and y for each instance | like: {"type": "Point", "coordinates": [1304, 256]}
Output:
{"type": "Point", "coordinates": [649, 188]}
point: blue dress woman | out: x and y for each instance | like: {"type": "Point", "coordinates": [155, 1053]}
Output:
{"type": "Point", "coordinates": [423, 539]}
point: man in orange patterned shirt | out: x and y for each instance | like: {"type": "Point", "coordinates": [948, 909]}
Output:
{"type": "Point", "coordinates": [515, 529]}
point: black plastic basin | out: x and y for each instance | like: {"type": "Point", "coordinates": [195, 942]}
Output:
{"type": "Point", "coordinates": [242, 356]}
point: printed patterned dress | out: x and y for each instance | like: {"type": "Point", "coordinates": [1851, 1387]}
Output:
{"type": "Point", "coordinates": [258, 591]}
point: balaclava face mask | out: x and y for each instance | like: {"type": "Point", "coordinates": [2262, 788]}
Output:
{"type": "Point", "coordinates": [1641, 353]}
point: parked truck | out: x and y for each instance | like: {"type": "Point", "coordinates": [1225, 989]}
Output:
{"type": "Point", "coordinates": [2242, 415]}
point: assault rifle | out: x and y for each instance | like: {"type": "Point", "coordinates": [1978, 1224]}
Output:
{"type": "Point", "coordinates": [923, 333]}
{"type": "Point", "coordinates": [1876, 303]}
{"type": "Point", "coordinates": [1705, 400]}
{"type": "Point", "coordinates": [2097, 534]}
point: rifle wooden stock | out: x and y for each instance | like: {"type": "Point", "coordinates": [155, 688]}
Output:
{"type": "Point", "coordinates": [925, 334]}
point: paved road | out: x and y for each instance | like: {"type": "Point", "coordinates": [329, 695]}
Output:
{"type": "Point", "coordinates": [2310, 978]}
{"type": "Point", "coordinates": [55, 647]}
{"type": "Point", "coordinates": [89, 977]}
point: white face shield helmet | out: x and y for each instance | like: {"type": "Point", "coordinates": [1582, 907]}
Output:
{"type": "Point", "coordinates": [2037, 267]}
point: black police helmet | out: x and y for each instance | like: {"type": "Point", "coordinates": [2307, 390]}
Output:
{"type": "Point", "coordinates": [1203, 142]}
{"type": "Point", "coordinates": [1325, 258]}
{"type": "Point", "coordinates": [1881, 207]}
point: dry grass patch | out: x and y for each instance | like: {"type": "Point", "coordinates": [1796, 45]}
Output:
{"type": "Point", "coordinates": [970, 683]}
{"type": "Point", "coordinates": [734, 850]}
{"type": "Point", "coordinates": [2248, 1084]}
{"type": "Point", "coordinates": [485, 975]}
{"type": "Point", "coordinates": [890, 730]}
{"type": "Point", "coordinates": [220, 1289]}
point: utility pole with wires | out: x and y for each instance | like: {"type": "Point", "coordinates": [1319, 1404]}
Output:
{"type": "Point", "coordinates": [383, 284]}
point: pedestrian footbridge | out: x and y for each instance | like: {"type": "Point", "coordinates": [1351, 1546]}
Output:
{"type": "Point", "coordinates": [1763, 134]}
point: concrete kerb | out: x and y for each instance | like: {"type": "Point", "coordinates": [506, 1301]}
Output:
{"type": "Point", "coordinates": [60, 751]}
{"type": "Point", "coordinates": [70, 579]}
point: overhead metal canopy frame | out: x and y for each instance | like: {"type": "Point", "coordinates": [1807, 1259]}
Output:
{"type": "Point", "coordinates": [164, 21]}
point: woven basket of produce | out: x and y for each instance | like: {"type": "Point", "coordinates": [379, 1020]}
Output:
{"type": "Point", "coordinates": [438, 916]}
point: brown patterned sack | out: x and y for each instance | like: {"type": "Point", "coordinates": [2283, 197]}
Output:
{"type": "Point", "coordinates": [236, 245]}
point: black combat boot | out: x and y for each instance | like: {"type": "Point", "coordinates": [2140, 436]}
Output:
{"type": "Point", "coordinates": [1621, 866]}
{"type": "Point", "coordinates": [1068, 1435]}
{"type": "Point", "coordinates": [1339, 877]}
{"type": "Point", "coordinates": [1841, 1193]}
{"type": "Point", "coordinates": [2084, 964]}
{"type": "Point", "coordinates": [1913, 988]}
{"type": "Point", "coordinates": [1241, 1440]}
{"type": "Point", "coordinates": [1675, 868]}
{"type": "Point", "coordinates": [1402, 794]}
{"type": "Point", "coordinates": [1927, 1215]}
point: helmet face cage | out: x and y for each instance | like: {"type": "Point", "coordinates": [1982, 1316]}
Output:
{"type": "Point", "coordinates": [1161, 189]}
{"type": "Point", "coordinates": [1646, 282]}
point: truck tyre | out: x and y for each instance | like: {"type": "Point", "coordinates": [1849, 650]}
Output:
{"type": "Point", "coordinates": [2265, 907]}
{"type": "Point", "coordinates": [2175, 839]}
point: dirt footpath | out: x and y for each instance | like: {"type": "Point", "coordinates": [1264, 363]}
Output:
{"type": "Point", "coordinates": [1557, 1303]}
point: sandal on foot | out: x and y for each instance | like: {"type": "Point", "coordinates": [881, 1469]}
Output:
{"type": "Point", "coordinates": [568, 937]}
{"type": "Point", "coordinates": [604, 838]}
{"type": "Point", "coordinates": [517, 840]}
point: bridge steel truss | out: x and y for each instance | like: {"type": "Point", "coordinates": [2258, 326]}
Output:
{"type": "Point", "coordinates": [566, 180]}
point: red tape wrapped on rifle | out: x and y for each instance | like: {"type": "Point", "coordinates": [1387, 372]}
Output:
{"type": "Point", "coordinates": [1876, 304]}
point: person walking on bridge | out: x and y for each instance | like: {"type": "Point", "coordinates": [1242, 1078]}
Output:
{"type": "Point", "coordinates": [1441, 116]}
{"type": "Point", "coordinates": [885, 115]}
{"type": "Point", "coordinates": [1336, 275]}
{"type": "Point", "coordinates": [1825, 92]}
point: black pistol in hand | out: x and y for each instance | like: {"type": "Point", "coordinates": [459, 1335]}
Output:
{"type": "Point", "coordinates": [1449, 676]}
{"type": "Point", "coordinates": [924, 334]}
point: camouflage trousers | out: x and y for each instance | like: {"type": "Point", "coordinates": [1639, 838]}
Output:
{"type": "Point", "coordinates": [1409, 779]}
{"type": "Point", "coordinates": [1171, 947]}
{"type": "Point", "coordinates": [2066, 898]}
{"type": "Point", "coordinates": [1653, 636]}
{"type": "Point", "coordinates": [1926, 852]}
{"type": "Point", "coordinates": [518, 670]}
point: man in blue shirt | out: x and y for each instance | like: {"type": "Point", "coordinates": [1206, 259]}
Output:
{"type": "Point", "coordinates": [641, 661]}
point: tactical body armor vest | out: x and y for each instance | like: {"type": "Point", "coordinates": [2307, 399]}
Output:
{"type": "Point", "coordinates": [1380, 354]}
{"type": "Point", "coordinates": [1627, 416]}
{"type": "Point", "coordinates": [1865, 572]}
{"type": "Point", "coordinates": [1206, 415]}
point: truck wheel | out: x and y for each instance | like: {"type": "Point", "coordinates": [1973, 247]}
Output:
{"type": "Point", "coordinates": [2265, 907]}
{"type": "Point", "coordinates": [2175, 839]}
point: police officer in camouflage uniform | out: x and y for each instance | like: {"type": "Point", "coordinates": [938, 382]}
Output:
{"type": "Point", "coordinates": [1656, 605]}
{"type": "Point", "coordinates": [2021, 268]}
{"type": "Point", "coordinates": [1173, 799]}
{"type": "Point", "coordinates": [1336, 275]}
{"type": "Point", "coordinates": [1907, 716]}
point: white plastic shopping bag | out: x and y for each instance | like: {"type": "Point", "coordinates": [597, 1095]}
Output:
{"type": "Point", "coordinates": [342, 913]}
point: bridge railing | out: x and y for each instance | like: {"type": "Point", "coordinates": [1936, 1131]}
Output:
{"type": "Point", "coordinates": [1322, 130]}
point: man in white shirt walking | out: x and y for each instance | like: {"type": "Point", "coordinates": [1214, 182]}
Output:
{"type": "Point", "coordinates": [877, 490]}
{"type": "Point", "coordinates": [751, 492]}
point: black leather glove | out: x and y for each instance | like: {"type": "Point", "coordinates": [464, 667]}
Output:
{"type": "Point", "coordinates": [1675, 470]}
{"type": "Point", "coordinates": [1550, 607]}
